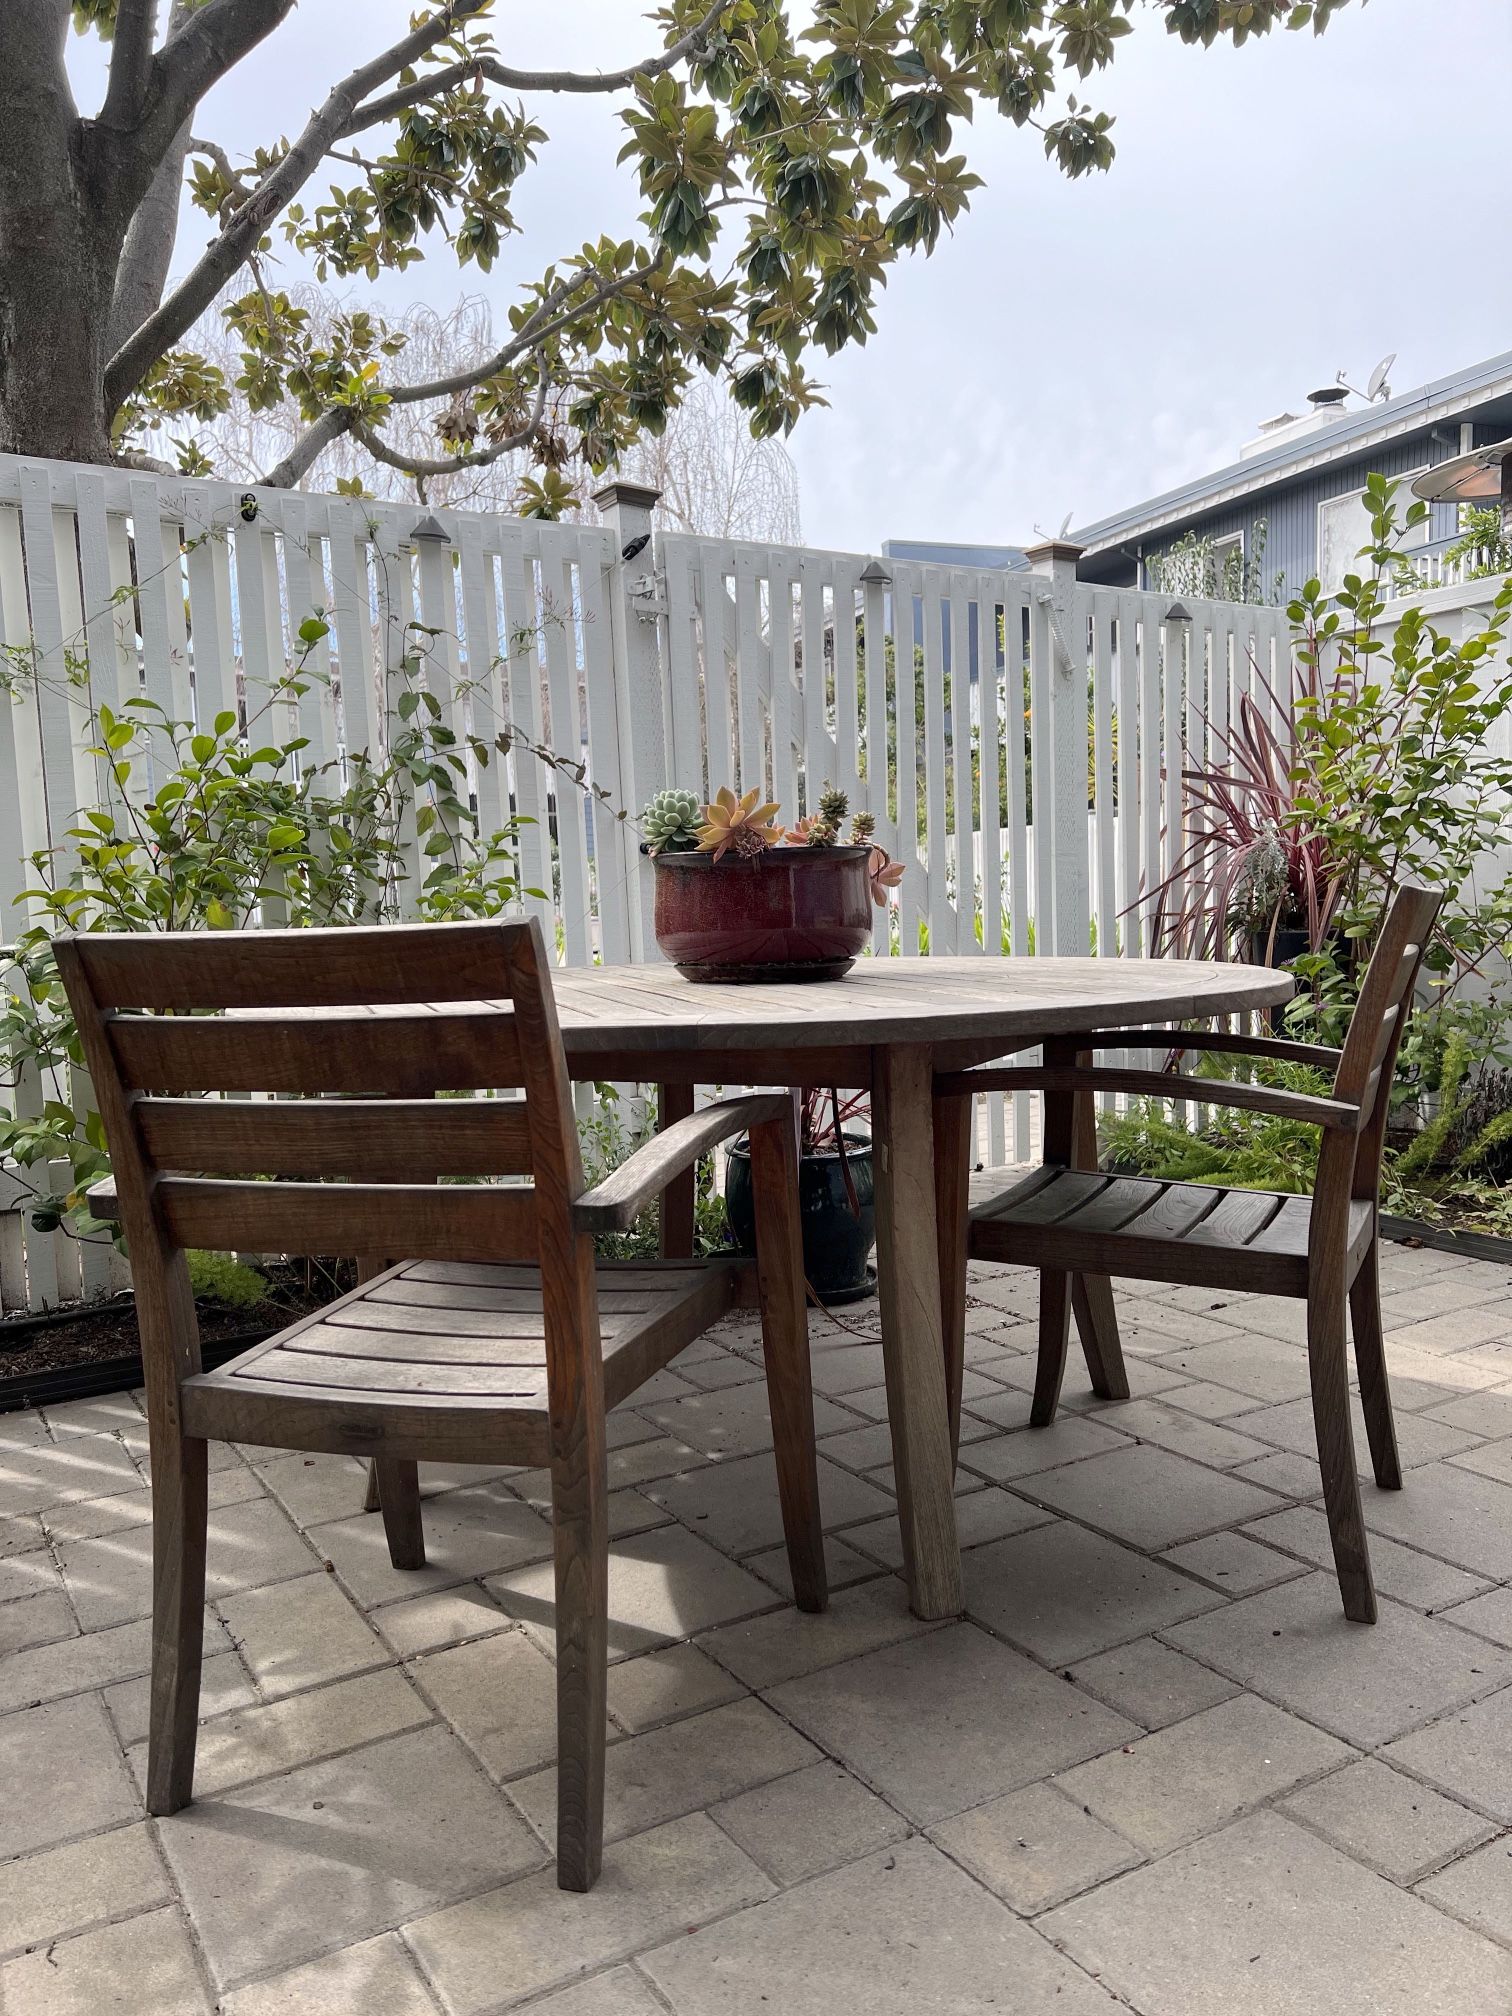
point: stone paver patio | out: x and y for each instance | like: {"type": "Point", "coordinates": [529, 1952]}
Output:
{"type": "Point", "coordinates": [1151, 1768]}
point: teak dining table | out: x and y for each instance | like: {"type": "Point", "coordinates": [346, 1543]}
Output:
{"type": "Point", "coordinates": [888, 1026]}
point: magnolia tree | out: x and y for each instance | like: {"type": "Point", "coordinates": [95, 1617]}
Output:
{"type": "Point", "coordinates": [712, 476]}
{"type": "Point", "coordinates": [787, 155]}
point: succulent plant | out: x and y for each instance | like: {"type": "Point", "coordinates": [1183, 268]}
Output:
{"type": "Point", "coordinates": [814, 831]}
{"type": "Point", "coordinates": [833, 805]}
{"type": "Point", "coordinates": [670, 822]}
{"type": "Point", "coordinates": [737, 825]}
{"type": "Point", "coordinates": [863, 826]}
{"type": "Point", "coordinates": [884, 873]}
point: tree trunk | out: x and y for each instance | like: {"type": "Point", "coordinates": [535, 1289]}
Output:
{"type": "Point", "coordinates": [54, 314]}
{"type": "Point", "coordinates": [60, 241]}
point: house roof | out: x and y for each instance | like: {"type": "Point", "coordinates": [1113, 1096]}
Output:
{"type": "Point", "coordinates": [1011, 559]}
{"type": "Point", "coordinates": [1480, 386]}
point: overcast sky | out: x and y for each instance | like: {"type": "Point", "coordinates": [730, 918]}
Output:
{"type": "Point", "coordinates": [1275, 213]}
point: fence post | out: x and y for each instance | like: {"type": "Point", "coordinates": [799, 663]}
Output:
{"type": "Point", "coordinates": [1065, 830]}
{"type": "Point", "coordinates": [637, 602]}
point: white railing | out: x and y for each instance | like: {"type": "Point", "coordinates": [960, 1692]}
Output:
{"type": "Point", "coordinates": [1018, 737]}
{"type": "Point", "coordinates": [1442, 567]}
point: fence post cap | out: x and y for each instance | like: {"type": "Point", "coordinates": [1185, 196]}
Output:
{"type": "Point", "coordinates": [638, 496]}
{"type": "Point", "coordinates": [1052, 550]}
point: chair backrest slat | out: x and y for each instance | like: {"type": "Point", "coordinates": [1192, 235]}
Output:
{"type": "Point", "coordinates": [388, 1054]}
{"type": "Point", "coordinates": [368, 965]}
{"type": "Point", "coordinates": [418, 1221]}
{"type": "Point", "coordinates": [368, 1140]}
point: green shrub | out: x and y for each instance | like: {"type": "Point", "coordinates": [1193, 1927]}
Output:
{"type": "Point", "coordinates": [220, 1278]}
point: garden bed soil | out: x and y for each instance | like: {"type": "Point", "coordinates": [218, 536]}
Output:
{"type": "Point", "coordinates": [80, 1352]}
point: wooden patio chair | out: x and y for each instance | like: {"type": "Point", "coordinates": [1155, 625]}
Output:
{"type": "Point", "coordinates": [1079, 1227]}
{"type": "Point", "coordinates": [497, 1338]}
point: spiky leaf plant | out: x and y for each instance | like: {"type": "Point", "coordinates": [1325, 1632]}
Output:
{"type": "Point", "coordinates": [737, 825]}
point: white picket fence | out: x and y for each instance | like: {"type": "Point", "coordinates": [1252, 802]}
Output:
{"type": "Point", "coordinates": [1017, 736]}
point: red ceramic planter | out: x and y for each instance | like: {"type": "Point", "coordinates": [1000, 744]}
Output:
{"type": "Point", "coordinates": [791, 913]}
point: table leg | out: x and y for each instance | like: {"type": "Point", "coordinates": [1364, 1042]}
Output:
{"type": "Point", "coordinates": [913, 1345]}
{"type": "Point", "coordinates": [679, 1211]}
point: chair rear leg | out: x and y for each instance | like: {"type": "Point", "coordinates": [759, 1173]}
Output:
{"type": "Point", "coordinates": [1054, 1340]}
{"type": "Point", "coordinates": [1327, 1363]}
{"type": "Point", "coordinates": [1097, 1326]}
{"type": "Point", "coordinates": [179, 1471]}
{"type": "Point", "coordinates": [580, 1515]}
{"type": "Point", "coordinates": [1370, 1364]}
{"type": "Point", "coordinates": [954, 1147]}
{"type": "Point", "coordinates": [398, 1482]}
{"type": "Point", "coordinates": [785, 1348]}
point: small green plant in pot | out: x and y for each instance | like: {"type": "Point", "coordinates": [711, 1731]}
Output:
{"type": "Point", "coordinates": [835, 1195]}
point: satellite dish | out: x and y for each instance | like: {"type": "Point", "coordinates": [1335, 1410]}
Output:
{"type": "Point", "coordinates": [1376, 387]}
{"type": "Point", "coordinates": [1065, 525]}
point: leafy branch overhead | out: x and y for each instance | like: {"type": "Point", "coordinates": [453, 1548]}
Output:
{"type": "Point", "coordinates": [783, 169]}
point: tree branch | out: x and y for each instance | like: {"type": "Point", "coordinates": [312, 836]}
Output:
{"type": "Point", "coordinates": [451, 465]}
{"type": "Point", "coordinates": [147, 254]}
{"type": "Point", "coordinates": [130, 62]}
{"type": "Point", "coordinates": [539, 329]}
{"type": "Point", "coordinates": [447, 79]}
{"type": "Point", "coordinates": [308, 448]}
{"type": "Point", "coordinates": [229, 251]}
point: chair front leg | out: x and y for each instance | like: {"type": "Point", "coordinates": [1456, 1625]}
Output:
{"type": "Point", "coordinates": [1328, 1367]}
{"type": "Point", "coordinates": [580, 1520]}
{"type": "Point", "coordinates": [179, 1499]}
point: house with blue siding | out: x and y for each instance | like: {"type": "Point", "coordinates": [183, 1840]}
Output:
{"type": "Point", "coordinates": [1289, 508]}
{"type": "Point", "coordinates": [940, 553]}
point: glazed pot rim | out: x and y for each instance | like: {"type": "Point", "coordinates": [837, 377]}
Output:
{"type": "Point", "coordinates": [688, 858]}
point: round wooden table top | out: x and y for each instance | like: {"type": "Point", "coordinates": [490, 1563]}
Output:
{"type": "Point", "coordinates": [885, 1001]}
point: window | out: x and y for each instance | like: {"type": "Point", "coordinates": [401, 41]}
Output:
{"type": "Point", "coordinates": [1226, 568]}
{"type": "Point", "coordinates": [1344, 528]}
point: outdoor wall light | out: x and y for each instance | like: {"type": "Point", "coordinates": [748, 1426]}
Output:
{"type": "Point", "coordinates": [875, 575]}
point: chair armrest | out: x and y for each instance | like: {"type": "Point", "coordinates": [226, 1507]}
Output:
{"type": "Point", "coordinates": [103, 1201]}
{"type": "Point", "coordinates": [1336, 1113]}
{"type": "Point", "coordinates": [1220, 1042]}
{"type": "Point", "coordinates": [614, 1204]}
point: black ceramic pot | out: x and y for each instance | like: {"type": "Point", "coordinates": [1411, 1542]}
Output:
{"type": "Point", "coordinates": [836, 1243]}
{"type": "Point", "coordinates": [1291, 943]}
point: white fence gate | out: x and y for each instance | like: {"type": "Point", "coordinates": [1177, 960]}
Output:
{"type": "Point", "coordinates": [1018, 736]}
